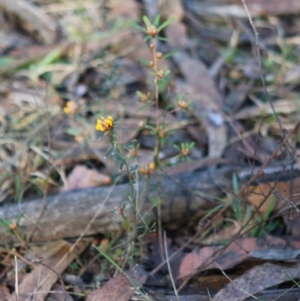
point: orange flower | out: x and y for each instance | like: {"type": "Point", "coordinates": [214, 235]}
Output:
{"type": "Point", "coordinates": [104, 125]}
{"type": "Point", "coordinates": [71, 107]}
{"type": "Point", "coordinates": [147, 170]}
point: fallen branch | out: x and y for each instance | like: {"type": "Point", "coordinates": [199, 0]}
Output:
{"type": "Point", "coordinates": [67, 214]}
{"type": "Point", "coordinates": [184, 196]}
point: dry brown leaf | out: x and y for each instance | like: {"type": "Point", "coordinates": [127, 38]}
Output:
{"type": "Point", "coordinates": [258, 279]}
{"type": "Point", "coordinates": [57, 255]}
{"type": "Point", "coordinates": [57, 294]}
{"type": "Point", "coordinates": [82, 177]}
{"type": "Point", "coordinates": [292, 221]}
{"type": "Point", "coordinates": [128, 130]}
{"type": "Point", "coordinates": [222, 235]}
{"type": "Point", "coordinates": [144, 157]}
{"type": "Point", "coordinates": [283, 106]}
{"type": "Point", "coordinates": [131, 107]}
{"type": "Point", "coordinates": [208, 114]}
{"type": "Point", "coordinates": [176, 31]}
{"type": "Point", "coordinates": [120, 8]}
{"type": "Point", "coordinates": [199, 86]}
{"type": "Point", "coordinates": [260, 196]}
{"type": "Point", "coordinates": [121, 287]}
{"type": "Point", "coordinates": [234, 8]}
{"type": "Point", "coordinates": [234, 253]}
{"type": "Point", "coordinates": [236, 97]}
{"type": "Point", "coordinates": [33, 17]}
{"type": "Point", "coordinates": [186, 166]}
{"type": "Point", "coordinates": [130, 72]}
{"type": "Point", "coordinates": [4, 292]}
{"type": "Point", "coordinates": [247, 145]}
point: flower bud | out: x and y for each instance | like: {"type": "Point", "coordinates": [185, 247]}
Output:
{"type": "Point", "coordinates": [151, 31]}
{"type": "Point", "coordinates": [158, 55]}
{"type": "Point", "coordinates": [160, 74]}
{"type": "Point", "coordinates": [143, 98]}
{"type": "Point", "coordinates": [182, 104]}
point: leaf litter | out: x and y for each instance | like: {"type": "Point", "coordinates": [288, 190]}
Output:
{"type": "Point", "coordinates": [80, 65]}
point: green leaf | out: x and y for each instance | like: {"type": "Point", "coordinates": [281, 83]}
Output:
{"type": "Point", "coordinates": [156, 21]}
{"type": "Point", "coordinates": [146, 21]}
{"type": "Point", "coordinates": [169, 106]}
{"type": "Point", "coordinates": [146, 105]}
{"type": "Point", "coordinates": [210, 196]}
{"type": "Point", "coordinates": [130, 144]}
{"type": "Point", "coordinates": [5, 60]}
{"type": "Point", "coordinates": [139, 93]}
{"type": "Point", "coordinates": [51, 57]}
{"type": "Point", "coordinates": [291, 278]}
{"type": "Point", "coordinates": [111, 140]}
{"type": "Point", "coordinates": [116, 176]}
{"type": "Point", "coordinates": [73, 131]}
{"type": "Point", "coordinates": [147, 38]}
{"type": "Point", "coordinates": [121, 165]}
{"type": "Point", "coordinates": [149, 127]}
{"type": "Point", "coordinates": [212, 211]}
{"type": "Point", "coordinates": [162, 83]}
{"type": "Point", "coordinates": [109, 152]}
{"type": "Point", "coordinates": [165, 24]}
{"type": "Point", "coordinates": [137, 26]}
{"type": "Point", "coordinates": [153, 201]}
{"type": "Point", "coordinates": [169, 54]}
{"type": "Point", "coordinates": [236, 206]}
{"type": "Point", "coordinates": [108, 258]}
{"type": "Point", "coordinates": [5, 222]}
{"type": "Point", "coordinates": [270, 207]}
{"type": "Point", "coordinates": [134, 168]}
{"type": "Point", "coordinates": [235, 184]}
{"type": "Point", "coordinates": [121, 128]}
{"type": "Point", "coordinates": [188, 159]}
{"type": "Point", "coordinates": [143, 61]}
{"type": "Point", "coordinates": [118, 157]}
{"type": "Point", "coordinates": [163, 39]}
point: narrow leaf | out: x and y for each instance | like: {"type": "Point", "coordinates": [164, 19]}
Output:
{"type": "Point", "coordinates": [165, 24]}
{"type": "Point", "coordinates": [137, 26]}
{"type": "Point", "coordinates": [156, 21]}
{"type": "Point", "coordinates": [143, 61]}
{"type": "Point", "coordinates": [147, 105]}
{"type": "Point", "coordinates": [146, 21]}
{"type": "Point", "coordinates": [163, 39]}
{"type": "Point", "coordinates": [169, 54]}
{"type": "Point", "coordinates": [147, 38]}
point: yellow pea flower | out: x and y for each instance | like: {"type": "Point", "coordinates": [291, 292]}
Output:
{"type": "Point", "coordinates": [71, 107]}
{"type": "Point", "coordinates": [104, 125]}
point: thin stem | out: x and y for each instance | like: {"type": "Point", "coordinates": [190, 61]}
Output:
{"type": "Point", "coordinates": [156, 94]}
{"type": "Point", "coordinates": [157, 148]}
{"type": "Point", "coordinates": [133, 232]}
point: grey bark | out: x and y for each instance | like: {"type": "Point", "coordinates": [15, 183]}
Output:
{"type": "Point", "coordinates": [68, 214]}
